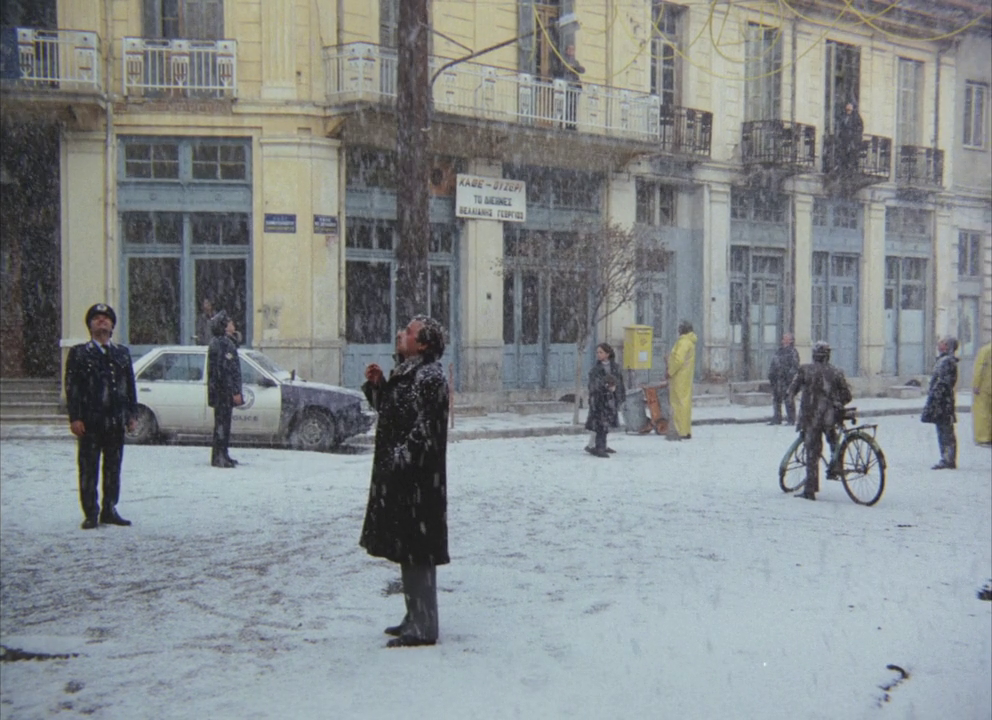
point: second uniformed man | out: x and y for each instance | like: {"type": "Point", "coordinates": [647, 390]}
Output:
{"type": "Point", "coordinates": [223, 386]}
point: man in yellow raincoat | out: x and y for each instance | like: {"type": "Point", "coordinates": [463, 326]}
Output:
{"type": "Point", "coordinates": [981, 400]}
{"type": "Point", "coordinates": [681, 370]}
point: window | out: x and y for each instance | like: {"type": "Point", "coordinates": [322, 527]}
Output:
{"type": "Point", "coordinates": [763, 73]}
{"type": "Point", "coordinates": [568, 307]}
{"type": "Point", "coordinates": [975, 99]}
{"type": "Point", "coordinates": [187, 19]}
{"type": "Point", "coordinates": [370, 234]}
{"type": "Point", "coordinates": [249, 375]}
{"type": "Point", "coordinates": [213, 161]}
{"type": "Point", "coordinates": [820, 212]}
{"type": "Point", "coordinates": [768, 207]}
{"type": "Point", "coordinates": [175, 367]}
{"type": "Point", "coordinates": [368, 301]}
{"type": "Point", "coordinates": [969, 254]}
{"type": "Point", "coordinates": [968, 320]}
{"type": "Point", "coordinates": [655, 203]}
{"type": "Point", "coordinates": [907, 221]}
{"type": "Point", "coordinates": [152, 228]}
{"type": "Point", "coordinates": [665, 80]}
{"type": "Point", "coordinates": [366, 168]}
{"type": "Point", "coordinates": [909, 97]}
{"type": "Point", "coordinates": [158, 161]}
{"type": "Point", "coordinates": [843, 81]}
{"type": "Point", "coordinates": [220, 228]}
{"type": "Point", "coordinates": [558, 188]}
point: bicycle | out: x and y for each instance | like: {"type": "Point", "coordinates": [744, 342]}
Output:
{"type": "Point", "coordinates": [856, 460]}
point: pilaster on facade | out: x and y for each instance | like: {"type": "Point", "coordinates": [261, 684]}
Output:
{"type": "Point", "coordinates": [717, 333]}
{"type": "Point", "coordinates": [872, 309]}
{"type": "Point", "coordinates": [803, 263]}
{"type": "Point", "coordinates": [945, 270]}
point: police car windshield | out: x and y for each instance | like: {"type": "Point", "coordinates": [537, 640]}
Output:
{"type": "Point", "coordinates": [266, 364]}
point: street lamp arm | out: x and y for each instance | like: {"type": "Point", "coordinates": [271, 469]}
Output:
{"type": "Point", "coordinates": [477, 54]}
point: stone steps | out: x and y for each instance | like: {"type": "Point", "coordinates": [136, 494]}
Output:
{"type": "Point", "coordinates": [31, 401]}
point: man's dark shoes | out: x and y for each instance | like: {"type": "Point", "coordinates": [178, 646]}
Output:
{"type": "Point", "coordinates": [110, 517]}
{"type": "Point", "coordinates": [597, 453]}
{"type": "Point", "coordinates": [222, 463]}
{"type": "Point", "coordinates": [805, 496]}
{"type": "Point", "coordinates": [611, 451]}
{"type": "Point", "coordinates": [89, 523]}
{"type": "Point", "coordinates": [234, 463]}
{"type": "Point", "coordinates": [775, 422]}
{"type": "Point", "coordinates": [395, 630]}
{"type": "Point", "coordinates": [944, 465]}
{"type": "Point", "coordinates": [409, 641]}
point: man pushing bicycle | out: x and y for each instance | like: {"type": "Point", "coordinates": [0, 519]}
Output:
{"type": "Point", "coordinates": [825, 392]}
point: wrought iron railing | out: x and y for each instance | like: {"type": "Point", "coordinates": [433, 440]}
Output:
{"type": "Point", "coordinates": [778, 143]}
{"type": "Point", "coordinates": [364, 72]}
{"type": "Point", "coordinates": [873, 159]}
{"type": "Point", "coordinates": [920, 167]}
{"type": "Point", "coordinates": [188, 68]}
{"type": "Point", "coordinates": [67, 60]}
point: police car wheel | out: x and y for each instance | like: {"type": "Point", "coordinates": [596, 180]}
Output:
{"type": "Point", "coordinates": [145, 427]}
{"type": "Point", "coordinates": [314, 431]}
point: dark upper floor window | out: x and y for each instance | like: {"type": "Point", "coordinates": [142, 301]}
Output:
{"type": "Point", "coordinates": [907, 221]}
{"type": "Point", "coordinates": [187, 19]}
{"type": "Point", "coordinates": [969, 254]}
{"type": "Point", "coordinates": [370, 168]}
{"type": "Point", "coordinates": [974, 117]}
{"type": "Point", "coordinates": [151, 160]}
{"type": "Point", "coordinates": [758, 206]}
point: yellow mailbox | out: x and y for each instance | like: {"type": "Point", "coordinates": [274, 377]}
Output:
{"type": "Point", "coordinates": [637, 347]}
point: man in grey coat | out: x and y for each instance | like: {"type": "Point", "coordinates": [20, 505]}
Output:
{"type": "Point", "coordinates": [939, 408]}
{"type": "Point", "coordinates": [406, 520]}
{"type": "Point", "coordinates": [781, 372]}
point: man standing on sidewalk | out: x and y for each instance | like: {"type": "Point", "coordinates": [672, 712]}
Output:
{"type": "Point", "coordinates": [939, 408]}
{"type": "Point", "coordinates": [223, 386]}
{"type": "Point", "coordinates": [782, 371]}
{"type": "Point", "coordinates": [100, 393]}
{"type": "Point", "coordinates": [406, 520]}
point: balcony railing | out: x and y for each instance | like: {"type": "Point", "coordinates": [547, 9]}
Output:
{"type": "Point", "coordinates": [66, 60]}
{"type": "Point", "coordinates": [184, 68]}
{"type": "Point", "coordinates": [363, 72]}
{"type": "Point", "coordinates": [920, 167]}
{"type": "Point", "coordinates": [873, 161]}
{"type": "Point", "coordinates": [778, 143]}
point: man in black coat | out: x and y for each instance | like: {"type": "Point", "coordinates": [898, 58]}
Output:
{"type": "Point", "coordinates": [781, 373]}
{"type": "Point", "coordinates": [939, 408]}
{"type": "Point", "coordinates": [850, 130]}
{"type": "Point", "coordinates": [223, 386]}
{"type": "Point", "coordinates": [100, 393]}
{"type": "Point", "coordinates": [406, 520]}
{"type": "Point", "coordinates": [825, 393]}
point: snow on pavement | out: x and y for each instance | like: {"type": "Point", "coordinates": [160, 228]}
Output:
{"type": "Point", "coordinates": [674, 580]}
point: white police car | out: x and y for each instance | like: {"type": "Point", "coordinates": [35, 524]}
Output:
{"type": "Point", "coordinates": [279, 407]}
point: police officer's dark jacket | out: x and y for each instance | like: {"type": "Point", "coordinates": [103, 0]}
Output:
{"type": "Point", "coordinates": [223, 366]}
{"type": "Point", "coordinates": [99, 386]}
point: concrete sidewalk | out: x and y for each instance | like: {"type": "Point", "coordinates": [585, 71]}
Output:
{"type": "Point", "coordinates": [513, 425]}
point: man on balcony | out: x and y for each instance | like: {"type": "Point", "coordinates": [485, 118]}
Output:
{"type": "Point", "coordinates": [850, 129]}
{"type": "Point", "coordinates": [567, 67]}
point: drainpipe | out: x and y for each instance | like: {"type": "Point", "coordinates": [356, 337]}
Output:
{"type": "Point", "coordinates": [108, 188]}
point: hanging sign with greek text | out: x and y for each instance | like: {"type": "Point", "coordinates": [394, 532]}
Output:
{"type": "Point", "coordinates": [487, 198]}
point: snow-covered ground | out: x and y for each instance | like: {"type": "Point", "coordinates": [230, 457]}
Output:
{"type": "Point", "coordinates": [674, 580]}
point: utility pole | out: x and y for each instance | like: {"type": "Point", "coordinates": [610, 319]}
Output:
{"type": "Point", "coordinates": [413, 160]}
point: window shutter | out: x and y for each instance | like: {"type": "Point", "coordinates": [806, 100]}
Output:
{"type": "Point", "coordinates": [525, 46]}
{"type": "Point", "coordinates": [151, 18]}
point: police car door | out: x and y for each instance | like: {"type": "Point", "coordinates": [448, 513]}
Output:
{"type": "Point", "coordinates": [259, 416]}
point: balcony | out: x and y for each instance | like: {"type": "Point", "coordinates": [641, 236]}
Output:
{"type": "Point", "coordinates": [158, 68]}
{"type": "Point", "coordinates": [919, 168]}
{"type": "Point", "coordinates": [365, 74]}
{"type": "Point", "coordinates": [58, 64]}
{"type": "Point", "coordinates": [847, 174]}
{"type": "Point", "coordinates": [778, 145]}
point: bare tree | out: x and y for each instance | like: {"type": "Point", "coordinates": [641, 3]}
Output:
{"type": "Point", "coordinates": [592, 271]}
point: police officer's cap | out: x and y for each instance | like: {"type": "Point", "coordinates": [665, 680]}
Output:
{"type": "Point", "coordinates": [101, 309]}
{"type": "Point", "coordinates": [821, 349]}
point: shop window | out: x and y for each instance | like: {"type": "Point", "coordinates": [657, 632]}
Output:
{"type": "Point", "coordinates": [370, 168]}
{"type": "Point", "coordinates": [568, 308]}
{"type": "Point", "coordinates": [153, 301]}
{"type": "Point", "coordinates": [220, 228]}
{"type": "Point", "coordinates": [368, 300]}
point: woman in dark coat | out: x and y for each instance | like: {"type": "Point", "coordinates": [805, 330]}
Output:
{"type": "Point", "coordinates": [406, 518]}
{"type": "Point", "coordinates": [606, 395]}
{"type": "Point", "coordinates": [939, 408]}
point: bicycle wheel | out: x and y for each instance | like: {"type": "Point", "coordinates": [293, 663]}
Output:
{"type": "Point", "coordinates": [792, 469]}
{"type": "Point", "coordinates": [862, 468]}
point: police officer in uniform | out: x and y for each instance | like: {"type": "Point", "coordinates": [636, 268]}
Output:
{"type": "Point", "coordinates": [100, 393]}
{"type": "Point", "coordinates": [223, 386]}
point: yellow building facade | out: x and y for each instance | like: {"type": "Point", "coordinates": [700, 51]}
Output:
{"type": "Point", "coordinates": [244, 151]}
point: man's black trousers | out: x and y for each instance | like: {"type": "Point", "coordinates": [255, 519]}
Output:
{"type": "Point", "coordinates": [109, 444]}
{"type": "Point", "coordinates": [222, 431]}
